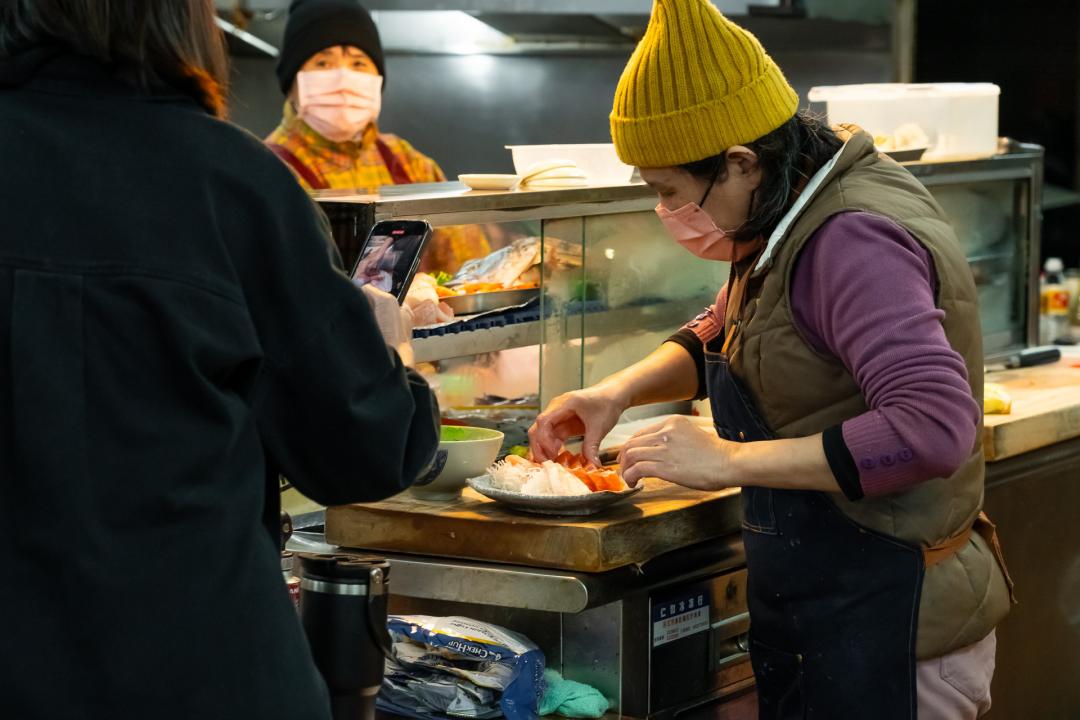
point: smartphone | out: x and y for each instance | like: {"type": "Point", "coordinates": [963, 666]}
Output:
{"type": "Point", "coordinates": [390, 255]}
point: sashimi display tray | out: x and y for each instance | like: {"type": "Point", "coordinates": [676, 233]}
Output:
{"type": "Point", "coordinates": [572, 505]}
{"type": "Point", "coordinates": [528, 311]}
{"type": "Point", "coordinates": [474, 303]}
{"type": "Point", "coordinates": [500, 316]}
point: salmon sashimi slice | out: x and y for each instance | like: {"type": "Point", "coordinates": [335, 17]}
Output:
{"type": "Point", "coordinates": [608, 480]}
{"type": "Point", "coordinates": [594, 478]}
{"type": "Point", "coordinates": [584, 476]}
{"type": "Point", "coordinates": [570, 461]}
{"type": "Point", "coordinates": [520, 461]}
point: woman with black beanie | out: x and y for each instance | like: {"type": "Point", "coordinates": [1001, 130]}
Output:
{"type": "Point", "coordinates": [332, 71]}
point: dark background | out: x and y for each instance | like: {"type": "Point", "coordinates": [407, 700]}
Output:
{"type": "Point", "coordinates": [463, 109]}
{"type": "Point", "coordinates": [1032, 51]}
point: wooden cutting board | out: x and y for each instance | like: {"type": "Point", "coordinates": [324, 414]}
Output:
{"type": "Point", "coordinates": [661, 518]}
{"type": "Point", "coordinates": [1045, 409]}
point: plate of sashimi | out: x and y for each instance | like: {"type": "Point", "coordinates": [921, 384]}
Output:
{"type": "Point", "coordinates": [567, 485]}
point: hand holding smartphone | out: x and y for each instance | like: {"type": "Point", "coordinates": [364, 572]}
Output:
{"type": "Point", "coordinates": [390, 256]}
{"type": "Point", "coordinates": [394, 321]}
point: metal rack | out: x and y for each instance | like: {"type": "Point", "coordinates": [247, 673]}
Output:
{"type": "Point", "coordinates": [615, 322]}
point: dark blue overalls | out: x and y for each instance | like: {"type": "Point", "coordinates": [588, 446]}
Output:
{"type": "Point", "coordinates": [834, 606]}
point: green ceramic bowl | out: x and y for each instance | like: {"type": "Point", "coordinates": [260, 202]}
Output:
{"type": "Point", "coordinates": [464, 452]}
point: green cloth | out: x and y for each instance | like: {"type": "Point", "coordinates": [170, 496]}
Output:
{"type": "Point", "coordinates": [571, 699]}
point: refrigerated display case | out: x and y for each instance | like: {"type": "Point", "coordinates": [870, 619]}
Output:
{"type": "Point", "coordinates": [622, 285]}
{"type": "Point", "coordinates": [613, 286]}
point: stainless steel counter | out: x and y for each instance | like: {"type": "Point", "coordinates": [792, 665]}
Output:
{"type": "Point", "coordinates": [1035, 500]}
{"type": "Point", "coordinates": [515, 586]}
{"type": "Point", "coordinates": [599, 628]}
{"type": "Point", "coordinates": [439, 201]}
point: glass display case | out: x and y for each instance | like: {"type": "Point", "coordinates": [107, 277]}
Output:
{"type": "Point", "coordinates": [613, 286]}
{"type": "Point", "coordinates": [995, 206]}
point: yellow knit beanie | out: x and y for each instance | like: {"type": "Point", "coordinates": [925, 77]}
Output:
{"type": "Point", "coordinates": [696, 85]}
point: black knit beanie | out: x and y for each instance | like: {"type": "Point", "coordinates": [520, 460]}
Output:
{"type": "Point", "coordinates": [315, 25]}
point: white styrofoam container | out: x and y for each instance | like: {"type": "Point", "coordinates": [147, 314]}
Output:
{"type": "Point", "coordinates": [599, 161]}
{"type": "Point", "coordinates": [961, 119]}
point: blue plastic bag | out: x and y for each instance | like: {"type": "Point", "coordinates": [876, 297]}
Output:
{"type": "Point", "coordinates": [461, 668]}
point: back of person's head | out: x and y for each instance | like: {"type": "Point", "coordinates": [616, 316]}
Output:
{"type": "Point", "coordinates": [147, 42]}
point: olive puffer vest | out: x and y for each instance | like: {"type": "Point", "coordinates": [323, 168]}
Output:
{"type": "Point", "coordinates": [964, 596]}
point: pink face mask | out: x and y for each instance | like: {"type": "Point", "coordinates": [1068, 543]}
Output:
{"type": "Point", "coordinates": [696, 231]}
{"type": "Point", "coordinates": [338, 104]}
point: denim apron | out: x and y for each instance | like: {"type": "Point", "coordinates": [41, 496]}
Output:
{"type": "Point", "coordinates": [834, 606]}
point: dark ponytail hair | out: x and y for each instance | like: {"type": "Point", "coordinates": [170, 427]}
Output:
{"type": "Point", "coordinates": [148, 42]}
{"type": "Point", "coordinates": [796, 149]}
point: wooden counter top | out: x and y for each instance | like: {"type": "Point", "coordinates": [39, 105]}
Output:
{"type": "Point", "coordinates": [1045, 409]}
{"type": "Point", "coordinates": [661, 518]}
{"type": "Point", "coordinates": [664, 517]}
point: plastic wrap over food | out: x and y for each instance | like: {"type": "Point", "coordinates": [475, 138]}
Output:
{"type": "Point", "coordinates": [461, 668]}
{"type": "Point", "coordinates": [511, 264]}
{"type": "Point", "coordinates": [424, 302]}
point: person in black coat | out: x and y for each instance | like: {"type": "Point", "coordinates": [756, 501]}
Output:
{"type": "Point", "coordinates": [172, 336]}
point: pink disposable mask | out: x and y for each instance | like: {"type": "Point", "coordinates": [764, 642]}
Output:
{"type": "Point", "coordinates": [338, 104]}
{"type": "Point", "coordinates": [696, 231]}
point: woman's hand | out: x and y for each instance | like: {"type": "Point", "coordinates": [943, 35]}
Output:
{"type": "Point", "coordinates": [668, 373]}
{"type": "Point", "coordinates": [394, 321]}
{"type": "Point", "coordinates": [681, 452]}
{"type": "Point", "coordinates": [591, 412]}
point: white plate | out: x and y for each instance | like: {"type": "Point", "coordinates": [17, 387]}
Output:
{"type": "Point", "coordinates": [490, 182]}
{"type": "Point", "coordinates": [577, 505]}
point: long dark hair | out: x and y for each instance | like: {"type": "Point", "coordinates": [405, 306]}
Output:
{"type": "Point", "coordinates": [148, 42]}
{"type": "Point", "coordinates": [795, 150]}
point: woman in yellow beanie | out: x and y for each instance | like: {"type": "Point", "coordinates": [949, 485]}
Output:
{"type": "Point", "coordinates": [843, 362]}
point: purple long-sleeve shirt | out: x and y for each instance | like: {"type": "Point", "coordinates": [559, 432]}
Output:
{"type": "Point", "coordinates": [863, 291]}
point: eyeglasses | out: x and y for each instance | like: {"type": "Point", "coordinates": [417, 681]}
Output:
{"type": "Point", "coordinates": [712, 181]}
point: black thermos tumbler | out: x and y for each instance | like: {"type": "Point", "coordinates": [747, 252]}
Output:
{"type": "Point", "coordinates": [343, 610]}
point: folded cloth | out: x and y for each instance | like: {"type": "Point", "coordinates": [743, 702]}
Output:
{"type": "Point", "coordinates": [571, 699]}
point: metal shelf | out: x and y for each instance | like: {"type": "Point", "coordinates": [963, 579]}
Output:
{"type": "Point", "coordinates": [462, 344]}
{"type": "Point", "coordinates": [1055, 196]}
{"type": "Point", "coordinates": [608, 322]}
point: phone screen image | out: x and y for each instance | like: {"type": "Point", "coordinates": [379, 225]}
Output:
{"type": "Point", "coordinates": [387, 261]}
